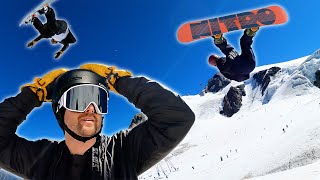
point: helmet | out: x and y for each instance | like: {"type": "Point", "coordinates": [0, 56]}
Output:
{"type": "Point", "coordinates": [213, 59]}
{"type": "Point", "coordinates": [66, 81]}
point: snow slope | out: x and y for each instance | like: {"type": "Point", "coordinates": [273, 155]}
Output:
{"type": "Point", "coordinates": [273, 136]}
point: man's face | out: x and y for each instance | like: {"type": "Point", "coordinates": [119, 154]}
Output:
{"type": "Point", "coordinates": [84, 124]}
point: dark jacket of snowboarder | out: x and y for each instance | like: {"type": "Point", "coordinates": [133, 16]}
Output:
{"type": "Point", "coordinates": [234, 66]}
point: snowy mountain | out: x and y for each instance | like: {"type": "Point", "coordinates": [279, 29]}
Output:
{"type": "Point", "coordinates": [265, 128]}
{"type": "Point", "coordinates": [4, 175]}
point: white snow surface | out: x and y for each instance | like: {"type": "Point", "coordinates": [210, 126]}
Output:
{"type": "Point", "coordinates": [273, 136]}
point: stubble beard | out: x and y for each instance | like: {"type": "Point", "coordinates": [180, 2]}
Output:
{"type": "Point", "coordinates": [87, 131]}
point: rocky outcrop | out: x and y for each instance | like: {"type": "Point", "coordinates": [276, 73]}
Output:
{"type": "Point", "coordinates": [317, 81]}
{"type": "Point", "coordinates": [263, 78]}
{"type": "Point", "coordinates": [232, 102]}
{"type": "Point", "coordinates": [216, 83]}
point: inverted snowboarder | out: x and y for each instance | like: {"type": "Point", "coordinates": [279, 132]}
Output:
{"type": "Point", "coordinates": [234, 66]}
{"type": "Point", "coordinates": [57, 30]}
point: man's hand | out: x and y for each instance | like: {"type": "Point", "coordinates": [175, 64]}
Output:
{"type": "Point", "coordinates": [31, 43]}
{"type": "Point", "coordinates": [58, 54]}
{"type": "Point", "coordinates": [43, 86]}
{"type": "Point", "coordinates": [110, 72]}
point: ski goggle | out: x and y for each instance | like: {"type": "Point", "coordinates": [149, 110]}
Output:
{"type": "Point", "coordinates": [78, 98]}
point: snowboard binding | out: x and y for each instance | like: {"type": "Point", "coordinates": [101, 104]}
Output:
{"type": "Point", "coordinates": [44, 9]}
{"type": "Point", "coordinates": [218, 38]}
{"type": "Point", "coordinates": [251, 31]}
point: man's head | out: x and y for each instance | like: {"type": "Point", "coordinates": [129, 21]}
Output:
{"type": "Point", "coordinates": [213, 59]}
{"type": "Point", "coordinates": [79, 99]}
{"type": "Point", "coordinates": [53, 41]}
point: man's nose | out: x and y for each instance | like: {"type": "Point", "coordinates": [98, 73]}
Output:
{"type": "Point", "coordinates": [90, 109]}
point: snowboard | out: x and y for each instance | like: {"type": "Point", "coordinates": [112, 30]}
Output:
{"type": "Point", "coordinates": [195, 30]}
{"type": "Point", "coordinates": [34, 10]}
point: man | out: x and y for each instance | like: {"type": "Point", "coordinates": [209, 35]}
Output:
{"type": "Point", "coordinates": [57, 30]}
{"type": "Point", "coordinates": [79, 98]}
{"type": "Point", "coordinates": [234, 66]}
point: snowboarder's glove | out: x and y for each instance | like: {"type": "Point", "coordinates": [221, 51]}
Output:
{"type": "Point", "coordinates": [43, 86]}
{"type": "Point", "coordinates": [110, 72]}
{"type": "Point", "coordinates": [31, 43]}
{"type": "Point", "coordinates": [58, 54]}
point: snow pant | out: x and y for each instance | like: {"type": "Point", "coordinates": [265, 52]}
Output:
{"type": "Point", "coordinates": [48, 29]}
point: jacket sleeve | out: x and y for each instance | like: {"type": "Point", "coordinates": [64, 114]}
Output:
{"type": "Point", "coordinates": [17, 154]}
{"type": "Point", "coordinates": [169, 120]}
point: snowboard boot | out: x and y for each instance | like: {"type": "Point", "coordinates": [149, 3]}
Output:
{"type": "Point", "coordinates": [251, 31]}
{"type": "Point", "coordinates": [44, 9]}
{"type": "Point", "coordinates": [30, 19]}
{"type": "Point", "coordinates": [218, 38]}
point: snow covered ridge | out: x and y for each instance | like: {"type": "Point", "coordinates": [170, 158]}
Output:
{"type": "Point", "coordinates": [4, 175]}
{"type": "Point", "coordinates": [266, 128]}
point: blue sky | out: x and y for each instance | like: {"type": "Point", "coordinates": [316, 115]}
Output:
{"type": "Point", "coordinates": [139, 36]}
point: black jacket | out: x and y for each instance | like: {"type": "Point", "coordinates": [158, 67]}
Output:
{"type": "Point", "coordinates": [234, 66]}
{"type": "Point", "coordinates": [125, 155]}
{"type": "Point", "coordinates": [226, 66]}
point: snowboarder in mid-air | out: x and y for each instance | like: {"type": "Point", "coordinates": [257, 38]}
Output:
{"type": "Point", "coordinates": [57, 30]}
{"type": "Point", "coordinates": [234, 66]}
